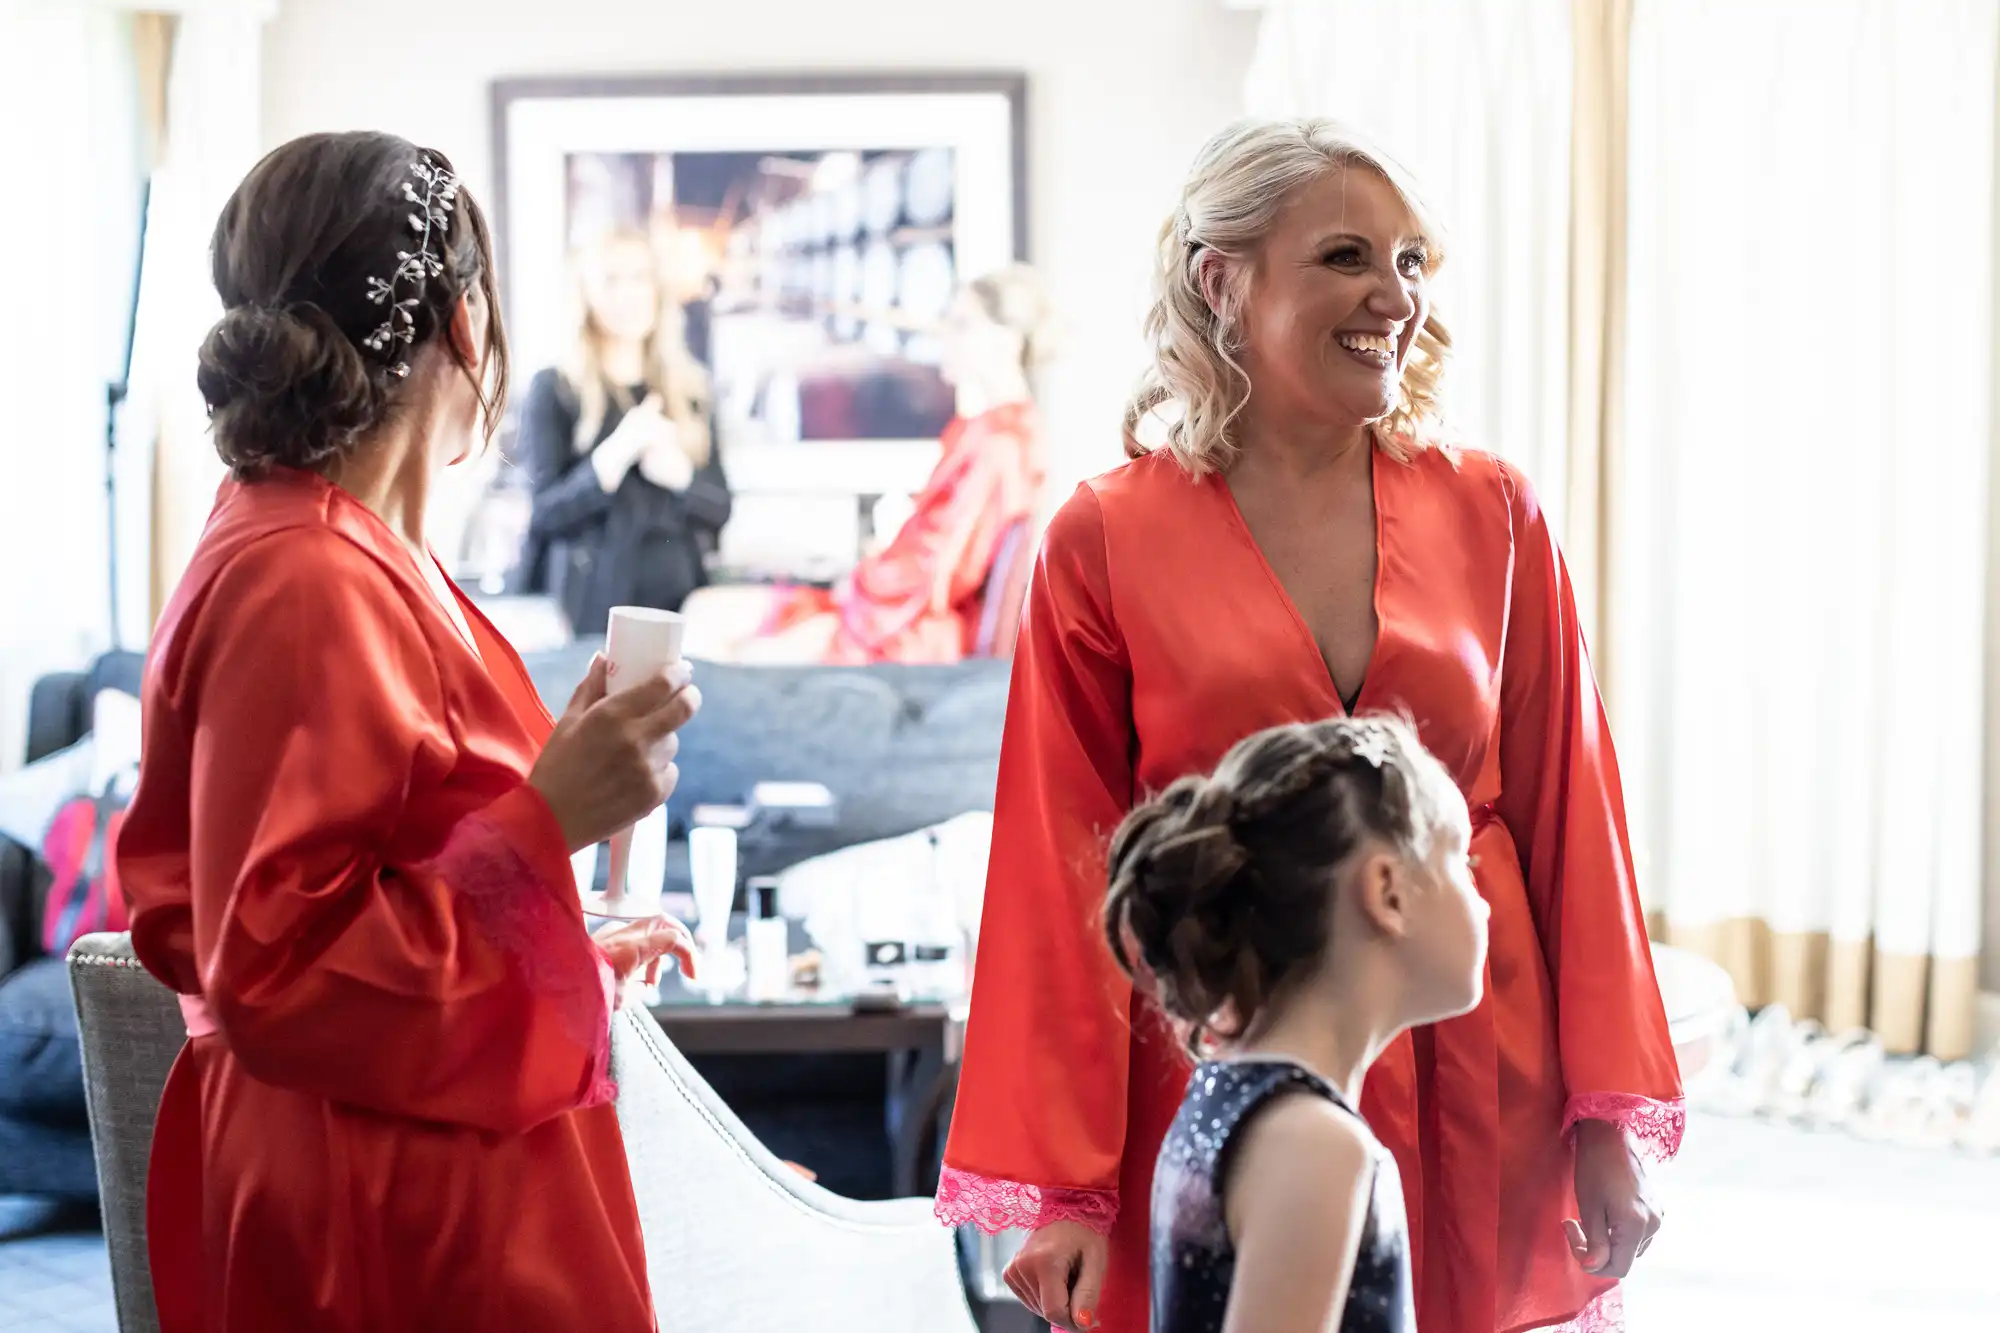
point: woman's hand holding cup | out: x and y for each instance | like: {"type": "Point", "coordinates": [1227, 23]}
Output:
{"type": "Point", "coordinates": [610, 760]}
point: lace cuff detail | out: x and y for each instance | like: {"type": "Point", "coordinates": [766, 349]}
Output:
{"type": "Point", "coordinates": [1606, 1314]}
{"type": "Point", "coordinates": [995, 1205]}
{"type": "Point", "coordinates": [1655, 1126]}
{"type": "Point", "coordinates": [600, 1089]}
{"type": "Point", "coordinates": [517, 909]}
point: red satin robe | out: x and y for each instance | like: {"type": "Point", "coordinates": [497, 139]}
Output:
{"type": "Point", "coordinates": [1156, 636]}
{"type": "Point", "coordinates": [919, 598]}
{"type": "Point", "coordinates": [394, 1110]}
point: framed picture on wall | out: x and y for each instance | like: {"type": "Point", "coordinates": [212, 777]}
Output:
{"type": "Point", "coordinates": [814, 228]}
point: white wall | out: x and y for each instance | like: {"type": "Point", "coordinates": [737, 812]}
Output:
{"type": "Point", "coordinates": [1121, 92]}
{"type": "Point", "coordinates": [68, 144]}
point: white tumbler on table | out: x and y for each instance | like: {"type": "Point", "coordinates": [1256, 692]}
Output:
{"type": "Point", "coordinates": [712, 875]}
{"type": "Point", "coordinates": [640, 644]}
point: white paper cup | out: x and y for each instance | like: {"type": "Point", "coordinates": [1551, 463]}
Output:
{"type": "Point", "coordinates": [640, 643]}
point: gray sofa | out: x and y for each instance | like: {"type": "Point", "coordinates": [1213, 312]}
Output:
{"type": "Point", "coordinates": [901, 747]}
{"type": "Point", "coordinates": [44, 1134]}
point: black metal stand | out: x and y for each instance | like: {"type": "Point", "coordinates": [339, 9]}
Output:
{"type": "Point", "coordinates": [114, 397]}
{"type": "Point", "coordinates": [115, 394]}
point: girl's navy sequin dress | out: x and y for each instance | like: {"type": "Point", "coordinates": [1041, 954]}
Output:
{"type": "Point", "coordinates": [1194, 1261]}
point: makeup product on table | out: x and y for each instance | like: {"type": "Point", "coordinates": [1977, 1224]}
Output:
{"type": "Point", "coordinates": [767, 943]}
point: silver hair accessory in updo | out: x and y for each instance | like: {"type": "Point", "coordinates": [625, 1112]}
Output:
{"type": "Point", "coordinates": [1370, 744]}
{"type": "Point", "coordinates": [431, 220]}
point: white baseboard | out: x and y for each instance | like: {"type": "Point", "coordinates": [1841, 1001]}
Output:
{"type": "Point", "coordinates": [1989, 1022]}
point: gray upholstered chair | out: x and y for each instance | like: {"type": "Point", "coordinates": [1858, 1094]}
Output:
{"type": "Point", "coordinates": [131, 1031]}
{"type": "Point", "coordinates": [734, 1238]}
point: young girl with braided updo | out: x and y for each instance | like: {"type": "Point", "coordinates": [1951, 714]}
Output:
{"type": "Point", "coordinates": [1291, 914]}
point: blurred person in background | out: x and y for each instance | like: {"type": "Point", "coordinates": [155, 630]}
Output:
{"type": "Point", "coordinates": [618, 441]}
{"type": "Point", "coordinates": [921, 597]}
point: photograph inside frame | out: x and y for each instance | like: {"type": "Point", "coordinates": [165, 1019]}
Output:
{"type": "Point", "coordinates": [808, 237]}
{"type": "Point", "coordinates": [810, 281]}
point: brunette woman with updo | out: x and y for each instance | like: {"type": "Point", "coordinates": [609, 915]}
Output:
{"type": "Point", "coordinates": [349, 851]}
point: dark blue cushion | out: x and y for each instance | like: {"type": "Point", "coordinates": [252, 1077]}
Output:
{"type": "Point", "coordinates": [41, 1060]}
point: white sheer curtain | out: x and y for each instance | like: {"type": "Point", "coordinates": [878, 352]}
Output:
{"type": "Point", "coordinates": [213, 137]}
{"type": "Point", "coordinates": [1473, 96]}
{"type": "Point", "coordinates": [69, 134]}
{"type": "Point", "coordinates": [70, 150]}
{"type": "Point", "coordinates": [1801, 539]}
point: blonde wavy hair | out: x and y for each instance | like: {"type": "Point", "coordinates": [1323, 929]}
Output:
{"type": "Point", "coordinates": [671, 370]}
{"type": "Point", "coordinates": [1242, 178]}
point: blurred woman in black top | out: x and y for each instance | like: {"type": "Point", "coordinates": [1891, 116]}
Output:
{"type": "Point", "coordinates": [629, 490]}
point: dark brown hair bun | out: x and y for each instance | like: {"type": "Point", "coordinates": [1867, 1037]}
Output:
{"type": "Point", "coordinates": [285, 386]}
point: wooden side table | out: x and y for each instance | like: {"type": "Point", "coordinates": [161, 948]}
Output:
{"type": "Point", "coordinates": [921, 1041]}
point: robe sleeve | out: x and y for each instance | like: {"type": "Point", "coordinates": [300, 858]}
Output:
{"type": "Point", "coordinates": [348, 940]}
{"type": "Point", "coordinates": [567, 495]}
{"type": "Point", "coordinates": [1038, 1131]}
{"type": "Point", "coordinates": [707, 501]}
{"type": "Point", "coordinates": [1562, 802]}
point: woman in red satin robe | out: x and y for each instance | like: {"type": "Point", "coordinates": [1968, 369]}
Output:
{"type": "Point", "coordinates": [1300, 550]}
{"type": "Point", "coordinates": [349, 847]}
{"type": "Point", "coordinates": [921, 598]}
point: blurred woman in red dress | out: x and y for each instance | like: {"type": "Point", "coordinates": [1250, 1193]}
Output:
{"type": "Point", "coordinates": [922, 596]}
{"type": "Point", "coordinates": [349, 850]}
{"type": "Point", "coordinates": [1304, 547]}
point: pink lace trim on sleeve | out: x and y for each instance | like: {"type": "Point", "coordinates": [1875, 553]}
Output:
{"type": "Point", "coordinates": [1655, 1126]}
{"type": "Point", "coordinates": [1606, 1314]}
{"type": "Point", "coordinates": [545, 947]}
{"type": "Point", "coordinates": [995, 1205]}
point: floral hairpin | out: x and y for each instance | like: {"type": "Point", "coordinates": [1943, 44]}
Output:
{"type": "Point", "coordinates": [430, 222]}
{"type": "Point", "coordinates": [1370, 744]}
{"type": "Point", "coordinates": [1184, 231]}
